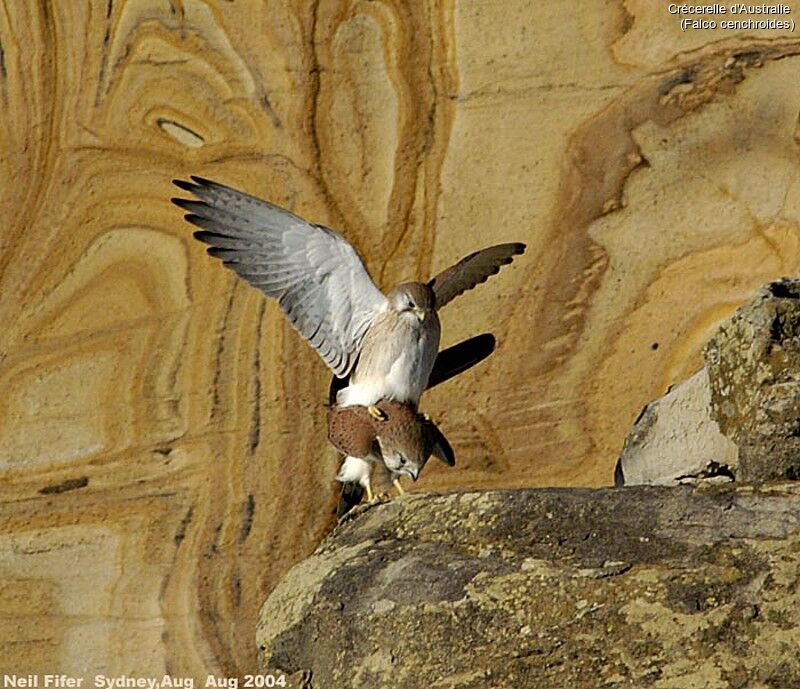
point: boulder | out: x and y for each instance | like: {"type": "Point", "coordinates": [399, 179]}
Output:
{"type": "Point", "coordinates": [675, 440]}
{"type": "Point", "coordinates": [739, 416]}
{"type": "Point", "coordinates": [635, 587]}
{"type": "Point", "coordinates": [753, 363]}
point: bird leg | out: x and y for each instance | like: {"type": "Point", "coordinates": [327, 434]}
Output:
{"type": "Point", "coordinates": [370, 496]}
{"type": "Point", "coordinates": [377, 413]}
{"type": "Point", "coordinates": [399, 487]}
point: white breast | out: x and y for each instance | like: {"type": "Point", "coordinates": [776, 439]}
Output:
{"type": "Point", "coordinates": [354, 470]}
{"type": "Point", "coordinates": [399, 372]}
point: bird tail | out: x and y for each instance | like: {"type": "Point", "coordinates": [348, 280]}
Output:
{"type": "Point", "coordinates": [351, 495]}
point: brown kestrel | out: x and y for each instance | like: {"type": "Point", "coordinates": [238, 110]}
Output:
{"type": "Point", "coordinates": [390, 431]}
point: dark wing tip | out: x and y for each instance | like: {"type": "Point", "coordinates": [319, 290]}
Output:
{"type": "Point", "coordinates": [186, 204]}
{"type": "Point", "coordinates": [445, 451]}
{"type": "Point", "coordinates": [208, 237]}
{"type": "Point", "coordinates": [196, 185]}
{"type": "Point", "coordinates": [183, 184]}
{"type": "Point", "coordinates": [440, 446]}
{"type": "Point", "coordinates": [196, 220]}
{"type": "Point", "coordinates": [514, 249]}
{"type": "Point", "coordinates": [460, 357]}
{"type": "Point", "coordinates": [486, 340]}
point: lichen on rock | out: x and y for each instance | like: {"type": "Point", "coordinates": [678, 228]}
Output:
{"type": "Point", "coordinates": [754, 369]}
{"type": "Point", "coordinates": [580, 588]}
{"type": "Point", "coordinates": [739, 416]}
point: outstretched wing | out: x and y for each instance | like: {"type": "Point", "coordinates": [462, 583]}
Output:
{"type": "Point", "coordinates": [472, 270]}
{"type": "Point", "coordinates": [318, 278]}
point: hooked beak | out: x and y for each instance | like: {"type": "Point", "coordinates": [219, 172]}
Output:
{"type": "Point", "coordinates": [419, 312]}
{"type": "Point", "coordinates": [413, 473]}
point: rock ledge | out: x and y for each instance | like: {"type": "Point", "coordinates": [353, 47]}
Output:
{"type": "Point", "coordinates": [633, 587]}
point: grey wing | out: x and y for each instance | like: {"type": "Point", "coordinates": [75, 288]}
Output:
{"type": "Point", "coordinates": [318, 278]}
{"type": "Point", "coordinates": [472, 270]}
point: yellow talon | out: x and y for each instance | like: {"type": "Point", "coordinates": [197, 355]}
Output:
{"type": "Point", "coordinates": [399, 487]}
{"type": "Point", "coordinates": [370, 497]}
{"type": "Point", "coordinates": [377, 413]}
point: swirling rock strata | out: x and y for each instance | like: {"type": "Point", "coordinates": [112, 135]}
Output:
{"type": "Point", "coordinates": [162, 435]}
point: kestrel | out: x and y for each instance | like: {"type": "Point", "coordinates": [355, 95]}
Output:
{"type": "Point", "coordinates": [353, 433]}
{"type": "Point", "coordinates": [390, 431]}
{"type": "Point", "coordinates": [387, 344]}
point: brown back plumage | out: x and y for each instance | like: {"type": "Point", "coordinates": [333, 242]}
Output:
{"type": "Point", "coordinates": [354, 431]}
{"type": "Point", "coordinates": [351, 431]}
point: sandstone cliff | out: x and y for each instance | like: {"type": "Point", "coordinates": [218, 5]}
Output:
{"type": "Point", "coordinates": [162, 453]}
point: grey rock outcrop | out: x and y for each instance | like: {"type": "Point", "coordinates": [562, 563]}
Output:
{"type": "Point", "coordinates": [739, 416]}
{"type": "Point", "coordinates": [634, 587]}
{"type": "Point", "coordinates": [753, 364]}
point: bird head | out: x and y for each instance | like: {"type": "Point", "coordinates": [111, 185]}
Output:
{"type": "Point", "coordinates": [404, 458]}
{"type": "Point", "coordinates": [406, 439]}
{"type": "Point", "coordinates": [413, 298]}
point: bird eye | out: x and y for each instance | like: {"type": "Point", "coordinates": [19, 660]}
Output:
{"type": "Point", "coordinates": [402, 461]}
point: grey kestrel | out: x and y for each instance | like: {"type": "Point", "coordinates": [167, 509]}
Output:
{"type": "Point", "coordinates": [387, 344]}
{"type": "Point", "coordinates": [390, 431]}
